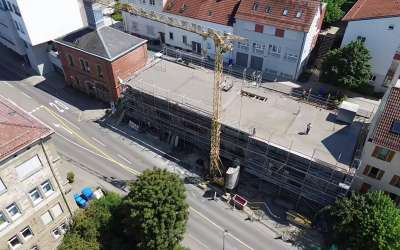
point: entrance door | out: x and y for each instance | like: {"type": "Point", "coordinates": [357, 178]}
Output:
{"type": "Point", "coordinates": [241, 59]}
{"type": "Point", "coordinates": [196, 47]}
{"type": "Point", "coordinates": [256, 62]}
{"type": "Point", "coordinates": [162, 37]}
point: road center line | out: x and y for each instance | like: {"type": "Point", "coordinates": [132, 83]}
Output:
{"type": "Point", "coordinates": [123, 158]}
{"type": "Point", "coordinates": [99, 142]}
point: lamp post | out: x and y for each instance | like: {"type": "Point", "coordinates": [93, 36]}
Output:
{"type": "Point", "coordinates": [223, 238]}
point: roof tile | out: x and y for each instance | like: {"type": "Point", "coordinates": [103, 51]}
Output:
{"type": "Point", "coordinates": [371, 9]}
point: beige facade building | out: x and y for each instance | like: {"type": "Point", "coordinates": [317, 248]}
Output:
{"type": "Point", "coordinates": [380, 165]}
{"type": "Point", "coordinates": [33, 211]}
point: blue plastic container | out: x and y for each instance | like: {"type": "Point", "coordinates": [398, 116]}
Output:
{"type": "Point", "coordinates": [87, 193]}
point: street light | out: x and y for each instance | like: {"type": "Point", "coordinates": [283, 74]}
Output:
{"type": "Point", "coordinates": [223, 238]}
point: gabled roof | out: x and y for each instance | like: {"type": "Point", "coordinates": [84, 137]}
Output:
{"type": "Point", "coordinates": [382, 134]}
{"type": "Point", "coordinates": [18, 129]}
{"type": "Point", "coordinates": [299, 16]}
{"type": "Point", "coordinates": [371, 9]}
{"type": "Point", "coordinates": [105, 42]}
{"type": "Point", "coordinates": [214, 11]}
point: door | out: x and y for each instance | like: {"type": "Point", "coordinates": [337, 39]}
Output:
{"type": "Point", "coordinates": [241, 59]}
{"type": "Point", "coordinates": [196, 48]}
{"type": "Point", "coordinates": [256, 63]}
{"type": "Point", "coordinates": [162, 37]}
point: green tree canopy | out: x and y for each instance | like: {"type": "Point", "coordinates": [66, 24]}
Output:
{"type": "Point", "coordinates": [347, 67]}
{"type": "Point", "coordinates": [366, 221]}
{"type": "Point", "coordinates": [334, 11]}
{"type": "Point", "coordinates": [157, 210]}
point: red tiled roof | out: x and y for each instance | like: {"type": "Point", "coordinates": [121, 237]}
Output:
{"type": "Point", "coordinates": [275, 16]}
{"type": "Point", "coordinates": [369, 9]}
{"type": "Point", "coordinates": [382, 135]}
{"type": "Point", "coordinates": [18, 129]}
{"type": "Point", "coordinates": [215, 11]}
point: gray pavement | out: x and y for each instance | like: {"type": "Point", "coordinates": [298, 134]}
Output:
{"type": "Point", "coordinates": [111, 158]}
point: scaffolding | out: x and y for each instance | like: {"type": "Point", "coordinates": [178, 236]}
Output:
{"type": "Point", "coordinates": [180, 121]}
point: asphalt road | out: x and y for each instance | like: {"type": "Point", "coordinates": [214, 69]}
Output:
{"type": "Point", "coordinates": [108, 154]}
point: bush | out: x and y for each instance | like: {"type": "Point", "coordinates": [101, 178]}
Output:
{"type": "Point", "coordinates": [305, 76]}
{"type": "Point", "coordinates": [70, 177]}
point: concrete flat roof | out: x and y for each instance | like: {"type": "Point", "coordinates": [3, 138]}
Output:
{"type": "Point", "coordinates": [279, 119]}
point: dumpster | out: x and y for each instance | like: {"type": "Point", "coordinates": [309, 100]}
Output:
{"type": "Point", "coordinates": [87, 193]}
{"type": "Point", "coordinates": [239, 201]}
{"type": "Point", "coordinates": [80, 201]}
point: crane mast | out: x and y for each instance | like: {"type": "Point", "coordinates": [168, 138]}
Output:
{"type": "Point", "coordinates": [223, 44]}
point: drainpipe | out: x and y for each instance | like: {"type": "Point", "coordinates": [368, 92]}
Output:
{"type": "Point", "coordinates": [55, 177]}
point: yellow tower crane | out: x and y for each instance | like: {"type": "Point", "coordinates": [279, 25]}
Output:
{"type": "Point", "coordinates": [223, 43]}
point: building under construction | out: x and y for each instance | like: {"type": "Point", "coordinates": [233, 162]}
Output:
{"type": "Point", "coordinates": [262, 130]}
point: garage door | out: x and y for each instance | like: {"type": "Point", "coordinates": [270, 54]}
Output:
{"type": "Point", "coordinates": [256, 63]}
{"type": "Point", "coordinates": [241, 59]}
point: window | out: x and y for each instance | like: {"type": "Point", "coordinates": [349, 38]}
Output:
{"type": "Point", "coordinates": [383, 154]}
{"type": "Point", "coordinates": [16, 25]}
{"type": "Point", "coordinates": [373, 78]}
{"type": "Point", "coordinates": [56, 233]}
{"type": "Point", "coordinates": [70, 61]}
{"type": "Point", "coordinates": [364, 188]}
{"type": "Point", "coordinates": [3, 188]}
{"type": "Point", "coordinates": [14, 242]}
{"type": "Point", "coordinates": [47, 188]}
{"type": "Point", "coordinates": [391, 27]}
{"type": "Point", "coordinates": [243, 46]}
{"type": "Point", "coordinates": [16, 10]}
{"type": "Point", "coordinates": [63, 228]}
{"type": "Point", "coordinates": [361, 38]}
{"type": "Point", "coordinates": [395, 181]}
{"type": "Point", "coordinates": [183, 8]}
{"type": "Point", "coordinates": [28, 168]}
{"type": "Point", "coordinates": [56, 210]}
{"type": "Point", "coordinates": [209, 13]}
{"type": "Point", "coordinates": [258, 48]}
{"type": "Point", "coordinates": [285, 12]}
{"type": "Point", "coordinates": [46, 218]}
{"type": "Point", "coordinates": [3, 221]}
{"type": "Point", "coordinates": [184, 39]}
{"type": "Point", "coordinates": [84, 65]}
{"type": "Point", "coordinates": [395, 198]}
{"type": "Point", "coordinates": [268, 9]}
{"type": "Point", "coordinates": [395, 127]}
{"type": "Point", "coordinates": [373, 172]}
{"type": "Point", "coordinates": [13, 211]}
{"type": "Point", "coordinates": [291, 56]}
{"type": "Point", "coordinates": [27, 233]}
{"type": "Point", "coordinates": [274, 50]}
{"type": "Point", "coordinates": [279, 32]}
{"type": "Point", "coordinates": [255, 6]}
{"type": "Point", "coordinates": [35, 196]}
{"type": "Point", "coordinates": [152, 2]}
{"type": "Point", "coordinates": [171, 36]}
{"type": "Point", "coordinates": [299, 14]}
{"type": "Point", "coordinates": [99, 71]}
{"type": "Point", "coordinates": [259, 28]}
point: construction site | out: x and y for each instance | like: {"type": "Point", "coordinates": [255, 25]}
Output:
{"type": "Point", "coordinates": [263, 131]}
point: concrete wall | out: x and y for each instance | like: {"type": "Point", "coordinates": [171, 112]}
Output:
{"type": "Point", "coordinates": [380, 41]}
{"type": "Point", "coordinates": [112, 71]}
{"type": "Point", "coordinates": [17, 191]}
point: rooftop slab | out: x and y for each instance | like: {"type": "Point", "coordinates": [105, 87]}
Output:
{"type": "Point", "coordinates": [278, 119]}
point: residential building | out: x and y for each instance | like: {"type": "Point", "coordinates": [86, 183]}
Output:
{"type": "Point", "coordinates": [28, 27]}
{"type": "Point", "coordinates": [34, 213]}
{"type": "Point", "coordinates": [97, 60]}
{"type": "Point", "coordinates": [379, 169]}
{"type": "Point", "coordinates": [218, 15]}
{"type": "Point", "coordinates": [377, 24]}
{"type": "Point", "coordinates": [281, 35]}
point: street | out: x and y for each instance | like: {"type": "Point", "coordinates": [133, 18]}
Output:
{"type": "Point", "coordinates": [212, 224]}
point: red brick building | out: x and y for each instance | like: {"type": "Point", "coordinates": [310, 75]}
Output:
{"type": "Point", "coordinates": [96, 60]}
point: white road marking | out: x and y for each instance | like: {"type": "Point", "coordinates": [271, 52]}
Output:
{"type": "Point", "coordinates": [9, 85]}
{"type": "Point", "coordinates": [56, 106]}
{"type": "Point", "coordinates": [198, 241]}
{"type": "Point", "coordinates": [99, 142]}
{"type": "Point", "coordinates": [220, 228]}
{"type": "Point", "coordinates": [58, 126]}
{"type": "Point", "coordinates": [64, 106]}
{"type": "Point", "coordinates": [70, 123]}
{"type": "Point", "coordinates": [26, 95]}
{"type": "Point", "coordinates": [123, 158]}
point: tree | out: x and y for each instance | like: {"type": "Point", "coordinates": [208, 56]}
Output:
{"type": "Point", "coordinates": [366, 221]}
{"type": "Point", "coordinates": [347, 67]}
{"type": "Point", "coordinates": [156, 211]}
{"type": "Point", "coordinates": [333, 11]}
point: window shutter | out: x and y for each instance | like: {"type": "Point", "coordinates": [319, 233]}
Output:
{"type": "Point", "coordinates": [390, 156]}
{"type": "Point", "coordinates": [367, 169]}
{"type": "Point", "coordinates": [380, 174]}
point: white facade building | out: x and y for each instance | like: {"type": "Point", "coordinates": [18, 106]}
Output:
{"type": "Point", "coordinates": [280, 35]}
{"type": "Point", "coordinates": [35, 24]}
{"type": "Point", "coordinates": [377, 23]}
{"type": "Point", "coordinates": [213, 14]}
{"type": "Point", "coordinates": [380, 161]}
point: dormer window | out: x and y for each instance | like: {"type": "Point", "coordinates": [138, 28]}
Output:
{"type": "Point", "coordinates": [299, 14]}
{"type": "Point", "coordinates": [285, 12]}
{"type": "Point", "coordinates": [255, 6]}
{"type": "Point", "coordinates": [268, 9]}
